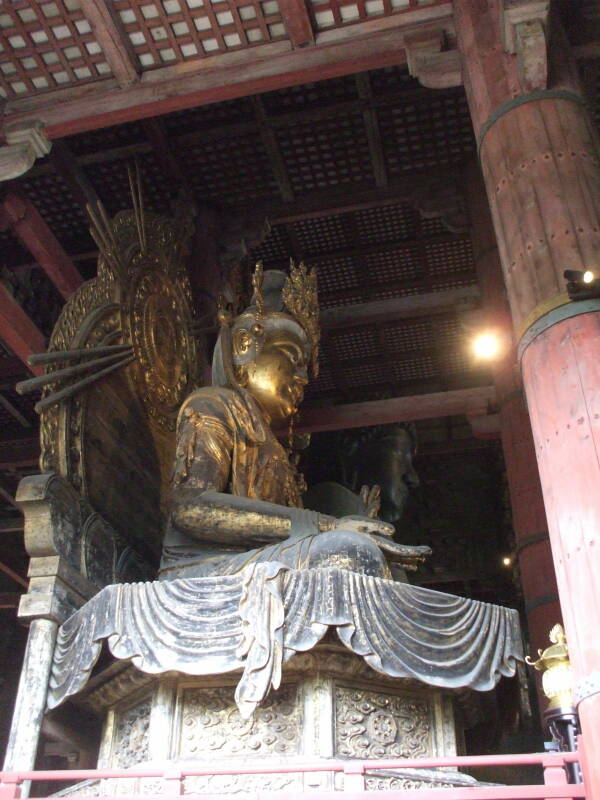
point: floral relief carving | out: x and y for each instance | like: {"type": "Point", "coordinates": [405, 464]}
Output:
{"type": "Point", "coordinates": [131, 735]}
{"type": "Point", "coordinates": [376, 725]}
{"type": "Point", "coordinates": [211, 722]}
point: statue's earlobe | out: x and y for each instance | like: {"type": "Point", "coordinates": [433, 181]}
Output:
{"type": "Point", "coordinates": [242, 341]}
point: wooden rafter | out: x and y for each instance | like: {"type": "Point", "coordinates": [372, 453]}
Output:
{"type": "Point", "coordinates": [397, 409]}
{"type": "Point", "coordinates": [71, 172]}
{"type": "Point", "coordinates": [297, 22]}
{"type": "Point", "coordinates": [9, 600]}
{"type": "Point", "coordinates": [212, 132]}
{"type": "Point", "coordinates": [13, 411]}
{"type": "Point", "coordinates": [343, 199]}
{"type": "Point", "coordinates": [18, 331]}
{"type": "Point", "coordinates": [363, 86]}
{"type": "Point", "coordinates": [18, 213]}
{"type": "Point", "coordinates": [372, 44]}
{"type": "Point", "coordinates": [110, 35]}
{"type": "Point", "coordinates": [11, 572]}
{"type": "Point", "coordinates": [161, 147]}
{"type": "Point", "coordinates": [381, 311]}
{"type": "Point", "coordinates": [271, 145]}
{"type": "Point", "coordinates": [19, 453]}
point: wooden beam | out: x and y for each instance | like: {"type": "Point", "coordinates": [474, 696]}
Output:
{"type": "Point", "coordinates": [19, 453]}
{"type": "Point", "coordinates": [14, 575]}
{"type": "Point", "coordinates": [271, 145]}
{"type": "Point", "coordinates": [297, 22]}
{"type": "Point", "coordinates": [428, 449]}
{"type": "Point", "coordinates": [358, 197]}
{"type": "Point", "coordinates": [12, 525]}
{"type": "Point", "coordinates": [209, 132]}
{"type": "Point", "coordinates": [8, 497]}
{"type": "Point", "coordinates": [157, 136]}
{"type": "Point", "coordinates": [69, 169]}
{"type": "Point", "coordinates": [36, 236]}
{"type": "Point", "coordinates": [9, 600]}
{"type": "Point", "coordinates": [419, 305]}
{"type": "Point", "coordinates": [18, 331]}
{"type": "Point", "coordinates": [14, 411]}
{"type": "Point", "coordinates": [112, 38]}
{"type": "Point", "coordinates": [397, 409]}
{"type": "Point", "coordinates": [363, 86]}
{"type": "Point", "coordinates": [372, 44]}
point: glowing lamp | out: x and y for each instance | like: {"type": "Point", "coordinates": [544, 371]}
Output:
{"type": "Point", "coordinates": [486, 345]}
{"type": "Point", "coordinates": [582, 284]}
{"type": "Point", "coordinates": [506, 561]}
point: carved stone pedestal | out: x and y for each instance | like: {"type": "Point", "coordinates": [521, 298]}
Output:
{"type": "Point", "coordinates": [330, 705]}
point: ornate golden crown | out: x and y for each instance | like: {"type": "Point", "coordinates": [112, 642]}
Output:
{"type": "Point", "coordinates": [300, 297]}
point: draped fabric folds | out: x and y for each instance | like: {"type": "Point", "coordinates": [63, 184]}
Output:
{"type": "Point", "coordinates": [256, 620]}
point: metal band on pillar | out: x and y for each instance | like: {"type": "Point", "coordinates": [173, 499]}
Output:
{"type": "Point", "coordinates": [523, 99]}
{"type": "Point", "coordinates": [546, 320]}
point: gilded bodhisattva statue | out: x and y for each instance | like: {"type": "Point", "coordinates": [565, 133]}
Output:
{"type": "Point", "coordinates": [236, 496]}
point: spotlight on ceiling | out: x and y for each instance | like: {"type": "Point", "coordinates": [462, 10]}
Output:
{"type": "Point", "coordinates": [487, 345]}
{"type": "Point", "coordinates": [582, 284]}
{"type": "Point", "coordinates": [506, 561]}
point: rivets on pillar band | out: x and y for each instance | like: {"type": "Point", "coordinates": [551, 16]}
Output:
{"type": "Point", "coordinates": [521, 100]}
{"type": "Point", "coordinates": [586, 687]}
{"type": "Point", "coordinates": [546, 319]}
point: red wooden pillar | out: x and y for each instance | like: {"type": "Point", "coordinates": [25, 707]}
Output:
{"type": "Point", "coordinates": [538, 579]}
{"type": "Point", "coordinates": [539, 154]}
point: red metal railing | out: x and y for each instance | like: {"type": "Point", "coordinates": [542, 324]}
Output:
{"type": "Point", "coordinates": [554, 765]}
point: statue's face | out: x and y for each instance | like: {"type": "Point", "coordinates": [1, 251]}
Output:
{"type": "Point", "coordinates": [278, 375]}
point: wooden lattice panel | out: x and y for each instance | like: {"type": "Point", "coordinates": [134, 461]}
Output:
{"type": "Point", "coordinates": [335, 151]}
{"type": "Point", "coordinates": [233, 171]}
{"type": "Point", "coordinates": [447, 257]}
{"type": "Point", "coordinates": [431, 130]}
{"type": "Point", "coordinates": [388, 267]}
{"type": "Point", "coordinates": [210, 119]}
{"type": "Point", "coordinates": [117, 136]}
{"type": "Point", "coordinates": [388, 223]}
{"type": "Point", "coordinates": [337, 277]}
{"type": "Point", "coordinates": [111, 181]}
{"type": "Point", "coordinates": [167, 31]}
{"type": "Point", "coordinates": [351, 345]}
{"type": "Point", "coordinates": [309, 96]}
{"type": "Point", "coordinates": [335, 13]}
{"type": "Point", "coordinates": [46, 44]}
{"type": "Point", "coordinates": [321, 235]}
{"type": "Point", "coordinates": [324, 384]}
{"type": "Point", "coordinates": [62, 213]}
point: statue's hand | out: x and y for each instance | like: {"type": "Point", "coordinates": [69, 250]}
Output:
{"type": "Point", "coordinates": [366, 525]}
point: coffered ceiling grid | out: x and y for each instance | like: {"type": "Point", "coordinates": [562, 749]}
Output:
{"type": "Point", "coordinates": [382, 251]}
{"type": "Point", "coordinates": [327, 14]}
{"type": "Point", "coordinates": [167, 31]}
{"type": "Point", "coordinates": [46, 45]}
